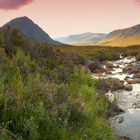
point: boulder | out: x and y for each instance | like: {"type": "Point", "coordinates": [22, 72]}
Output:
{"type": "Point", "coordinates": [136, 75]}
{"type": "Point", "coordinates": [101, 70]}
{"type": "Point", "coordinates": [108, 84]}
{"type": "Point", "coordinates": [109, 65]}
{"type": "Point", "coordinates": [125, 138]}
{"type": "Point", "coordinates": [117, 66]}
{"type": "Point", "coordinates": [136, 105]}
{"type": "Point", "coordinates": [130, 69]}
{"type": "Point", "coordinates": [134, 81]}
{"type": "Point", "coordinates": [93, 65]}
{"type": "Point", "coordinates": [138, 96]}
{"type": "Point", "coordinates": [128, 87]}
{"type": "Point", "coordinates": [127, 77]}
{"type": "Point", "coordinates": [118, 110]}
{"type": "Point", "coordinates": [109, 72]}
{"type": "Point", "coordinates": [137, 65]}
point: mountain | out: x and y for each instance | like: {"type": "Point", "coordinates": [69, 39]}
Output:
{"type": "Point", "coordinates": [30, 29]}
{"type": "Point", "coordinates": [82, 39]}
{"type": "Point", "coordinates": [122, 37]}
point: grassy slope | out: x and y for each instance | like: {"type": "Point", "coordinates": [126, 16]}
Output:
{"type": "Point", "coordinates": [121, 42]}
{"type": "Point", "coordinates": [106, 53]}
{"type": "Point", "coordinates": [87, 52]}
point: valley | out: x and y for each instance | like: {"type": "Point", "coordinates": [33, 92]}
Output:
{"type": "Point", "coordinates": [117, 38]}
{"type": "Point", "coordinates": [82, 39]}
{"type": "Point", "coordinates": [63, 91]}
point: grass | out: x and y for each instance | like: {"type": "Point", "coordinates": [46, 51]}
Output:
{"type": "Point", "coordinates": [90, 52]}
{"type": "Point", "coordinates": [100, 52]}
{"type": "Point", "coordinates": [121, 41]}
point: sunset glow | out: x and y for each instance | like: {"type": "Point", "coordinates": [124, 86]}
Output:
{"type": "Point", "coordinates": [64, 17]}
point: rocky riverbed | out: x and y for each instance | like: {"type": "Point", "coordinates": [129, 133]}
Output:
{"type": "Point", "coordinates": [121, 80]}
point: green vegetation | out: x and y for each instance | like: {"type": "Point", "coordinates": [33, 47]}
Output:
{"type": "Point", "coordinates": [88, 52]}
{"type": "Point", "coordinates": [46, 94]}
{"type": "Point", "coordinates": [101, 53]}
{"type": "Point", "coordinates": [133, 51]}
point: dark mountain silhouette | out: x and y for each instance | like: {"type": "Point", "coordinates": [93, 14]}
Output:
{"type": "Point", "coordinates": [30, 29]}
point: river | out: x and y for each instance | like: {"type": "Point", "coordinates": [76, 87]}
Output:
{"type": "Point", "coordinates": [126, 124]}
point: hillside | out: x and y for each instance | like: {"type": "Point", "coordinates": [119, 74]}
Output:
{"type": "Point", "coordinates": [82, 39]}
{"type": "Point", "coordinates": [30, 29]}
{"type": "Point", "coordinates": [123, 37]}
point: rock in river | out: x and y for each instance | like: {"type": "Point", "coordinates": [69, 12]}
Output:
{"type": "Point", "coordinates": [93, 65]}
{"type": "Point", "coordinates": [109, 65]}
{"type": "Point", "coordinates": [134, 81]}
{"type": "Point", "coordinates": [112, 84]}
{"type": "Point", "coordinates": [128, 87]}
{"type": "Point", "coordinates": [136, 75]}
{"type": "Point", "coordinates": [130, 69]}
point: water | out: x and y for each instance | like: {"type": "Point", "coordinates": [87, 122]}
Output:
{"type": "Point", "coordinates": [128, 123]}
{"type": "Point", "coordinates": [130, 127]}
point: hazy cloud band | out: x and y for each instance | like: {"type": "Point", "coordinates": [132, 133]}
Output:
{"type": "Point", "coordinates": [137, 2]}
{"type": "Point", "coordinates": [13, 4]}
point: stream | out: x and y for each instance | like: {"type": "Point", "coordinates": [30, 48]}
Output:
{"type": "Point", "coordinates": [126, 124]}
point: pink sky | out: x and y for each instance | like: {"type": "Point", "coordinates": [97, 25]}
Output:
{"type": "Point", "coordinates": [64, 17]}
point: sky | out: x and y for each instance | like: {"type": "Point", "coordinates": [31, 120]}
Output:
{"type": "Point", "coordinates": [64, 17]}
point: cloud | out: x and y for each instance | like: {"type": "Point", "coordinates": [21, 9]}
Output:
{"type": "Point", "coordinates": [13, 4]}
{"type": "Point", "coordinates": [137, 2]}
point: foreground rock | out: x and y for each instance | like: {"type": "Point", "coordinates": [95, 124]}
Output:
{"type": "Point", "coordinates": [125, 138]}
{"type": "Point", "coordinates": [134, 81]}
{"type": "Point", "coordinates": [136, 75]}
{"type": "Point", "coordinates": [131, 69]}
{"type": "Point", "coordinates": [137, 65]}
{"type": "Point", "coordinates": [109, 65]}
{"type": "Point", "coordinates": [128, 87]}
{"type": "Point", "coordinates": [136, 105]}
{"type": "Point", "coordinates": [112, 84]}
{"type": "Point", "coordinates": [93, 65]}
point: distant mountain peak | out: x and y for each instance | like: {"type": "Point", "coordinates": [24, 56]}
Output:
{"type": "Point", "coordinates": [123, 37]}
{"type": "Point", "coordinates": [87, 38]}
{"type": "Point", "coordinates": [24, 19]}
{"type": "Point", "coordinates": [30, 29]}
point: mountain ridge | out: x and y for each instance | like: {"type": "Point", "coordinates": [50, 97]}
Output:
{"type": "Point", "coordinates": [30, 29]}
{"type": "Point", "coordinates": [119, 38]}
{"type": "Point", "coordinates": [122, 37]}
{"type": "Point", "coordinates": [87, 38]}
